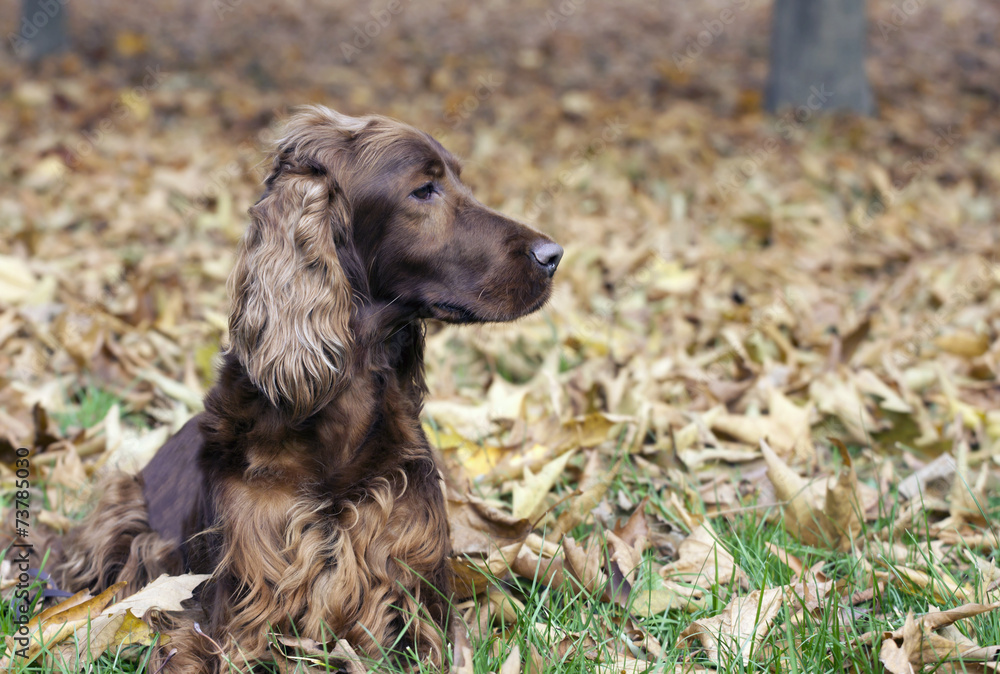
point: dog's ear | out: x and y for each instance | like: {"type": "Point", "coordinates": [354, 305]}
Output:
{"type": "Point", "coordinates": [291, 300]}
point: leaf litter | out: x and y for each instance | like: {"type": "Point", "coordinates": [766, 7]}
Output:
{"type": "Point", "coordinates": [750, 408]}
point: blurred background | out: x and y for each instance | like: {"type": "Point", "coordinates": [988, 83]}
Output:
{"type": "Point", "coordinates": [714, 249]}
{"type": "Point", "coordinates": [780, 222]}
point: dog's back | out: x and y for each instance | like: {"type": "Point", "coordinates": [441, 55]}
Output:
{"type": "Point", "coordinates": [173, 487]}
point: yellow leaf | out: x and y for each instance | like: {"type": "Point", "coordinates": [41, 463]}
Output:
{"type": "Point", "coordinates": [529, 495]}
{"type": "Point", "coordinates": [128, 43]}
{"type": "Point", "coordinates": [964, 343]}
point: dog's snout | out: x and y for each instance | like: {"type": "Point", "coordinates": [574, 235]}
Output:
{"type": "Point", "coordinates": [547, 254]}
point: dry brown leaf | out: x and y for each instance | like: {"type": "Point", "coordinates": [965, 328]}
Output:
{"type": "Point", "coordinates": [627, 542]}
{"type": "Point", "coordinates": [915, 646]}
{"type": "Point", "coordinates": [738, 630]}
{"type": "Point", "coordinates": [665, 595]}
{"type": "Point", "coordinates": [594, 485]}
{"type": "Point", "coordinates": [61, 623]}
{"type": "Point", "coordinates": [461, 649]}
{"type": "Point", "coordinates": [478, 527]}
{"type": "Point", "coordinates": [789, 560]}
{"type": "Point", "coordinates": [585, 562]}
{"type": "Point", "coordinates": [473, 573]}
{"type": "Point", "coordinates": [836, 393]}
{"type": "Point", "coordinates": [819, 513]}
{"type": "Point", "coordinates": [786, 427]}
{"type": "Point", "coordinates": [808, 594]}
{"type": "Point", "coordinates": [512, 664]}
{"type": "Point", "coordinates": [89, 642]}
{"type": "Point", "coordinates": [541, 560]}
{"type": "Point", "coordinates": [704, 562]}
{"type": "Point", "coordinates": [910, 580]}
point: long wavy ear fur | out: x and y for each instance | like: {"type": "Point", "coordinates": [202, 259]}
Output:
{"type": "Point", "coordinates": [291, 300]}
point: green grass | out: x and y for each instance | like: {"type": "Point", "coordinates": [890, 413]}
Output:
{"type": "Point", "coordinates": [821, 643]}
{"type": "Point", "coordinates": [88, 406]}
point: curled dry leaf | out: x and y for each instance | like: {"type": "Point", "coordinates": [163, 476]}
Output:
{"type": "Point", "coordinates": [312, 652]}
{"type": "Point", "coordinates": [473, 573]}
{"type": "Point", "coordinates": [164, 594]}
{"type": "Point", "coordinates": [585, 562]}
{"type": "Point", "coordinates": [738, 630]}
{"type": "Point", "coordinates": [594, 484]}
{"type": "Point", "coordinates": [104, 633]}
{"type": "Point", "coordinates": [95, 626]}
{"type": "Point", "coordinates": [625, 547]}
{"type": "Point", "coordinates": [540, 560]}
{"type": "Point", "coordinates": [53, 625]}
{"type": "Point", "coordinates": [923, 642]}
{"type": "Point", "coordinates": [703, 561]}
{"type": "Point", "coordinates": [478, 527]}
{"type": "Point", "coordinates": [485, 540]}
{"type": "Point", "coordinates": [89, 642]}
{"type": "Point", "coordinates": [786, 427]}
{"type": "Point", "coordinates": [461, 658]}
{"type": "Point", "coordinates": [822, 513]}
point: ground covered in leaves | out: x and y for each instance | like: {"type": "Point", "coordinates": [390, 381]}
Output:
{"type": "Point", "coordinates": [757, 426]}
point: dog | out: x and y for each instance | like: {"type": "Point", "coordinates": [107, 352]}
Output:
{"type": "Point", "coordinates": [307, 487]}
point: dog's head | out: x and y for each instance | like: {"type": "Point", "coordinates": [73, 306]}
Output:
{"type": "Point", "coordinates": [368, 211]}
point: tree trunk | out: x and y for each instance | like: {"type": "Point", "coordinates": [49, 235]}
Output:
{"type": "Point", "coordinates": [42, 30]}
{"type": "Point", "coordinates": [818, 56]}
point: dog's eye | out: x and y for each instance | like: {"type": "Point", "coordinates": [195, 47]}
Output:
{"type": "Point", "coordinates": [424, 193]}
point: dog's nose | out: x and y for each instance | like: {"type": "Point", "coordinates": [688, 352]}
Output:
{"type": "Point", "coordinates": [547, 254]}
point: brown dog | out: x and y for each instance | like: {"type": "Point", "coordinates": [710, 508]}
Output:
{"type": "Point", "coordinates": [307, 487]}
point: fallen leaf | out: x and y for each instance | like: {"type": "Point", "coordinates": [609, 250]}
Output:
{"type": "Point", "coordinates": [164, 594]}
{"type": "Point", "coordinates": [530, 493]}
{"type": "Point", "coordinates": [704, 562]}
{"type": "Point", "coordinates": [822, 513]}
{"type": "Point", "coordinates": [738, 630]}
{"type": "Point", "coordinates": [963, 343]}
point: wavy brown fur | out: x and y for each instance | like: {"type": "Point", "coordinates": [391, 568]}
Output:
{"type": "Point", "coordinates": [307, 487]}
